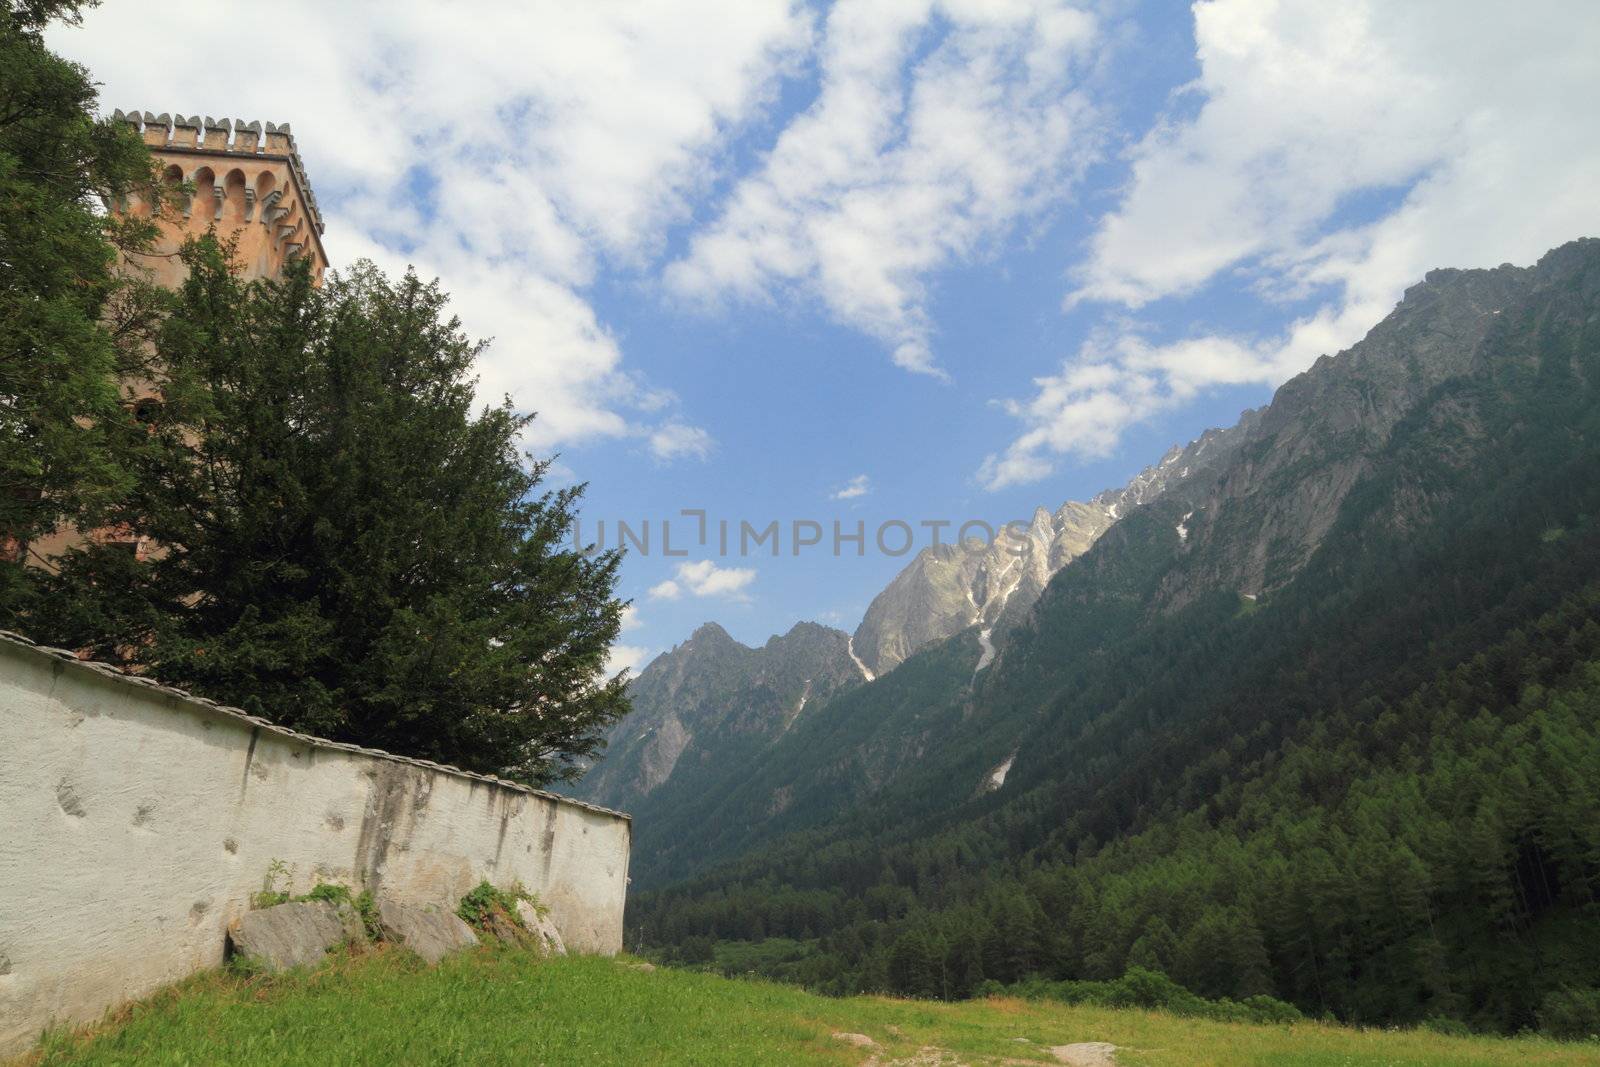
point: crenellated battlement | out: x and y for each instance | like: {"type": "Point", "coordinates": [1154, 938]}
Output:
{"type": "Point", "coordinates": [245, 180]}
{"type": "Point", "coordinates": [228, 137]}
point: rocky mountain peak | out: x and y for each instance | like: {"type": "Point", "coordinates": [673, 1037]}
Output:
{"type": "Point", "coordinates": [803, 635]}
{"type": "Point", "coordinates": [710, 633]}
{"type": "Point", "coordinates": [713, 701]}
{"type": "Point", "coordinates": [948, 588]}
{"type": "Point", "coordinates": [1257, 524]}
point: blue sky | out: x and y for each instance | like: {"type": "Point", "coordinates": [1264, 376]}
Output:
{"type": "Point", "coordinates": [909, 260]}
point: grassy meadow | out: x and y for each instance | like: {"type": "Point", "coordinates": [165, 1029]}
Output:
{"type": "Point", "coordinates": [499, 1006]}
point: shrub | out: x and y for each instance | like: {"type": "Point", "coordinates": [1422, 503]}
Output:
{"type": "Point", "coordinates": [1152, 990]}
{"type": "Point", "coordinates": [479, 907]}
{"type": "Point", "coordinates": [333, 894]}
{"type": "Point", "coordinates": [1265, 1009]}
{"type": "Point", "coordinates": [697, 950]}
{"type": "Point", "coordinates": [1440, 1024]}
{"type": "Point", "coordinates": [1571, 1015]}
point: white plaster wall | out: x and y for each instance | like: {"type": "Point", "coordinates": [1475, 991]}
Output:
{"type": "Point", "coordinates": [136, 822]}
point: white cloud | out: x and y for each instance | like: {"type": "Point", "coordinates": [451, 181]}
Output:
{"type": "Point", "coordinates": [858, 486]}
{"type": "Point", "coordinates": [627, 657]}
{"type": "Point", "coordinates": [1302, 104]}
{"type": "Point", "coordinates": [705, 579]}
{"type": "Point", "coordinates": [910, 160]}
{"type": "Point", "coordinates": [1467, 114]}
{"type": "Point", "coordinates": [1115, 381]}
{"type": "Point", "coordinates": [675, 440]}
{"type": "Point", "coordinates": [511, 149]}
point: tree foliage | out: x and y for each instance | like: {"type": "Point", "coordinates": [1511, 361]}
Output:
{"type": "Point", "coordinates": [345, 546]}
{"type": "Point", "coordinates": [70, 323]}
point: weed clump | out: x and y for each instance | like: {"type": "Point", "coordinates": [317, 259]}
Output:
{"type": "Point", "coordinates": [364, 903]}
{"type": "Point", "coordinates": [486, 906]}
{"type": "Point", "coordinates": [270, 895]}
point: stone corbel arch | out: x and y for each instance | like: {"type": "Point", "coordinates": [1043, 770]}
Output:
{"type": "Point", "coordinates": [206, 185]}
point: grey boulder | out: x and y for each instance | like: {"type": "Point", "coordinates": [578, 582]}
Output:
{"type": "Point", "coordinates": [544, 932]}
{"type": "Point", "coordinates": [426, 929]}
{"type": "Point", "coordinates": [296, 934]}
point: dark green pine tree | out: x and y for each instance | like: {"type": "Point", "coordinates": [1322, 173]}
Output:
{"type": "Point", "coordinates": [917, 964]}
{"type": "Point", "coordinates": [349, 547]}
{"type": "Point", "coordinates": [966, 962]}
{"type": "Point", "coordinates": [69, 323]}
{"type": "Point", "coordinates": [1223, 955]}
{"type": "Point", "coordinates": [1156, 948]}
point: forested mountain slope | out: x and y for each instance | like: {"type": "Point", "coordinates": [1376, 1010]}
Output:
{"type": "Point", "coordinates": [1236, 513]}
{"type": "Point", "coordinates": [1325, 724]}
{"type": "Point", "coordinates": [951, 611]}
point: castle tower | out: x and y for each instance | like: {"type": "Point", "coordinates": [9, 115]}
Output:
{"type": "Point", "coordinates": [252, 188]}
{"type": "Point", "coordinates": [254, 191]}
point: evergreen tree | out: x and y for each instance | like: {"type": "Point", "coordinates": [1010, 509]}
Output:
{"type": "Point", "coordinates": [70, 324]}
{"type": "Point", "coordinates": [347, 548]}
{"type": "Point", "coordinates": [917, 964]}
{"type": "Point", "coordinates": [966, 963]}
{"type": "Point", "coordinates": [1157, 947]}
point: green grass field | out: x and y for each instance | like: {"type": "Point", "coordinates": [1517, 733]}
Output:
{"type": "Point", "coordinates": [508, 1007]}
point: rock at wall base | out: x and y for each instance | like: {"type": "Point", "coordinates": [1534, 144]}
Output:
{"type": "Point", "coordinates": [507, 931]}
{"type": "Point", "coordinates": [428, 930]}
{"type": "Point", "coordinates": [297, 934]}
{"type": "Point", "coordinates": [546, 937]}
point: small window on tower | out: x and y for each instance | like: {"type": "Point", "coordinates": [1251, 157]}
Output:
{"type": "Point", "coordinates": [147, 410]}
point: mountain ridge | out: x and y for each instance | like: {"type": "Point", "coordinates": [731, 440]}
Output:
{"type": "Point", "coordinates": [946, 589]}
{"type": "Point", "coordinates": [1236, 511]}
{"type": "Point", "coordinates": [712, 700]}
{"type": "Point", "coordinates": [1310, 727]}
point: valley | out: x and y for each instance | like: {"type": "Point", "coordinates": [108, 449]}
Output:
{"type": "Point", "coordinates": [1311, 718]}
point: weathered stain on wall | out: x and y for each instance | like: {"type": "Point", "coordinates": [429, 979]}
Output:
{"type": "Point", "coordinates": [136, 821]}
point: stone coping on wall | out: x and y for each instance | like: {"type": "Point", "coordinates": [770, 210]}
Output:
{"type": "Point", "coordinates": [209, 706]}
